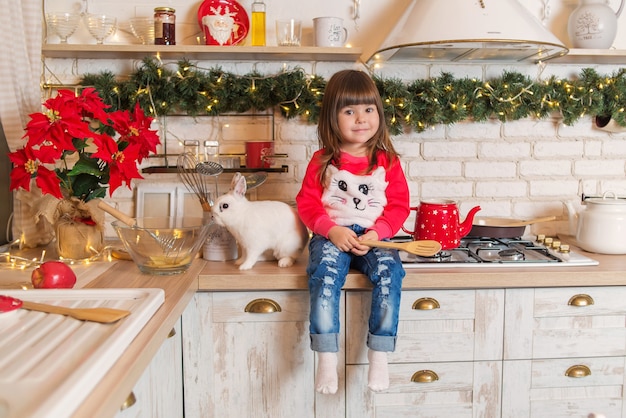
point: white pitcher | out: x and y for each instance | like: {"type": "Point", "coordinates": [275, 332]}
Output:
{"type": "Point", "coordinates": [601, 227]}
{"type": "Point", "coordinates": [593, 24]}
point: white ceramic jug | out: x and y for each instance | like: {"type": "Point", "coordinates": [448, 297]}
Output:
{"type": "Point", "coordinates": [593, 24]}
{"type": "Point", "coordinates": [602, 225]}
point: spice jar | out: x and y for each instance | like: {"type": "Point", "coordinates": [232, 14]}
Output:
{"type": "Point", "coordinates": [164, 26]}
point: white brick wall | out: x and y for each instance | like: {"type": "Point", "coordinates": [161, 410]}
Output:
{"type": "Point", "coordinates": [523, 168]}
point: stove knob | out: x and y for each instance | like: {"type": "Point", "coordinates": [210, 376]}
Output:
{"type": "Point", "coordinates": [541, 237]}
{"type": "Point", "coordinates": [556, 243]}
{"type": "Point", "coordinates": [564, 248]}
{"type": "Point", "coordinates": [548, 242]}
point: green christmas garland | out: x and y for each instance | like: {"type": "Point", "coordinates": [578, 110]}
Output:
{"type": "Point", "coordinates": [416, 105]}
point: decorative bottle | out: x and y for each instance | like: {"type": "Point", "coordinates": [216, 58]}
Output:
{"type": "Point", "coordinates": [258, 23]}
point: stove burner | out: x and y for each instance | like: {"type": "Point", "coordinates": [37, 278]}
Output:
{"type": "Point", "coordinates": [511, 254]}
{"type": "Point", "coordinates": [442, 256]}
{"type": "Point", "coordinates": [495, 252]}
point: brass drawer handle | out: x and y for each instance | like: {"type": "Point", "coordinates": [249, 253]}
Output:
{"type": "Point", "coordinates": [130, 401]}
{"type": "Point", "coordinates": [425, 304]}
{"type": "Point", "coordinates": [580, 300]}
{"type": "Point", "coordinates": [262, 306]}
{"type": "Point", "coordinates": [172, 333]}
{"type": "Point", "coordinates": [579, 370]}
{"type": "Point", "coordinates": [424, 376]}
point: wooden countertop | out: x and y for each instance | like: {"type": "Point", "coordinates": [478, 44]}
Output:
{"type": "Point", "coordinates": [265, 275]}
{"type": "Point", "coordinates": [118, 383]}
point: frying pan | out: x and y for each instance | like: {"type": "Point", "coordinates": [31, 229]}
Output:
{"type": "Point", "coordinates": [493, 227]}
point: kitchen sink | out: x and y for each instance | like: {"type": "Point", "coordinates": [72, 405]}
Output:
{"type": "Point", "coordinates": [49, 363]}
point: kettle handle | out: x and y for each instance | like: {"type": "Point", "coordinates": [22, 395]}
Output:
{"type": "Point", "coordinates": [411, 233]}
{"type": "Point", "coordinates": [621, 6]}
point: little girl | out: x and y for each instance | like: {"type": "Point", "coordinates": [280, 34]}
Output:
{"type": "Point", "coordinates": [354, 189]}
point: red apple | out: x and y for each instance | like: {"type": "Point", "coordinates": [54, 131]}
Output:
{"type": "Point", "coordinates": [53, 274]}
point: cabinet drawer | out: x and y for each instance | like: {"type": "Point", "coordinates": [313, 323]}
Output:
{"type": "Point", "coordinates": [579, 301]}
{"type": "Point", "coordinates": [459, 389]}
{"type": "Point", "coordinates": [280, 306]}
{"type": "Point", "coordinates": [455, 325]}
{"type": "Point", "coordinates": [565, 322]}
{"type": "Point", "coordinates": [571, 387]}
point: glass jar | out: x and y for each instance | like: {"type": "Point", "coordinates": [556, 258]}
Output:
{"type": "Point", "coordinates": [164, 26]}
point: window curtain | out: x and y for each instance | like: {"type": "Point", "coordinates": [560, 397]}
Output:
{"type": "Point", "coordinates": [20, 66]}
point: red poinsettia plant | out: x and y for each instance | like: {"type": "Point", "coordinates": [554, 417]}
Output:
{"type": "Point", "coordinates": [76, 147]}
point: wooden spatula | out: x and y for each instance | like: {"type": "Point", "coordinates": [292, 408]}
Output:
{"type": "Point", "coordinates": [103, 315]}
{"type": "Point", "coordinates": [424, 248]}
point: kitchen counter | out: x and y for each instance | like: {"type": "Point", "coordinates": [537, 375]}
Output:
{"type": "Point", "coordinates": [203, 275]}
{"type": "Point", "coordinates": [225, 276]}
{"type": "Point", "coordinates": [118, 383]}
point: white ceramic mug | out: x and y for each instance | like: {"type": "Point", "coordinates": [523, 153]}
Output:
{"type": "Point", "coordinates": [329, 31]}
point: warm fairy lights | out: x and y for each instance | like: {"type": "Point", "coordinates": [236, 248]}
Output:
{"type": "Point", "coordinates": [418, 104]}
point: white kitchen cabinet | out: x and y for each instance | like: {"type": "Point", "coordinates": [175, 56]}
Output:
{"type": "Point", "coordinates": [447, 361]}
{"type": "Point", "coordinates": [159, 391]}
{"type": "Point", "coordinates": [247, 354]}
{"type": "Point", "coordinates": [476, 353]}
{"type": "Point", "coordinates": [564, 352]}
{"type": "Point", "coordinates": [434, 390]}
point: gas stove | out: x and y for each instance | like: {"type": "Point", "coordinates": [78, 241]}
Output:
{"type": "Point", "coordinates": [500, 252]}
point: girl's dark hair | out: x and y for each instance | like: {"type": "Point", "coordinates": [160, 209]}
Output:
{"type": "Point", "coordinates": [349, 88]}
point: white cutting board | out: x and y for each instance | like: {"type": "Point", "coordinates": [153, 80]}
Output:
{"type": "Point", "coordinates": [49, 363]}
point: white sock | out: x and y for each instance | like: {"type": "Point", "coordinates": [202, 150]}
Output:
{"type": "Point", "coordinates": [378, 374]}
{"type": "Point", "coordinates": [326, 379]}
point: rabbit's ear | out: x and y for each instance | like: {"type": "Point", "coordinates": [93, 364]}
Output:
{"type": "Point", "coordinates": [235, 179]}
{"type": "Point", "coordinates": [240, 187]}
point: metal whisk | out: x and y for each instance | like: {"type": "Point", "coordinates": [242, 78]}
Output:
{"type": "Point", "coordinates": [194, 180]}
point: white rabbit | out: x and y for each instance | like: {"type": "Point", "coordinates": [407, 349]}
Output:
{"type": "Point", "coordinates": [260, 226]}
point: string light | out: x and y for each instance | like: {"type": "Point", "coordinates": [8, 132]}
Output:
{"type": "Point", "coordinates": [440, 100]}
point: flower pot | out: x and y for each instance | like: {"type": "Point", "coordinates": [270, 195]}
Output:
{"type": "Point", "coordinates": [76, 240]}
{"type": "Point", "coordinates": [79, 229]}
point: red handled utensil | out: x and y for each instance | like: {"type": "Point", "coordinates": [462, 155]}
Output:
{"type": "Point", "coordinates": [100, 314]}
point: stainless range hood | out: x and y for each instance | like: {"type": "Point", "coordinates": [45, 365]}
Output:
{"type": "Point", "coordinates": [468, 31]}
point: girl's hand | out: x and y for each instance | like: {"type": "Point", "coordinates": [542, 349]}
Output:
{"type": "Point", "coordinates": [344, 238]}
{"type": "Point", "coordinates": [361, 249]}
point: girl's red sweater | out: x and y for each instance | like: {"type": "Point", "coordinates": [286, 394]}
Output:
{"type": "Point", "coordinates": [314, 216]}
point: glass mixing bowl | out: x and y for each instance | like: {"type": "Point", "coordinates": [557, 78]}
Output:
{"type": "Point", "coordinates": [162, 245]}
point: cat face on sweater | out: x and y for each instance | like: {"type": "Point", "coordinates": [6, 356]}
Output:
{"type": "Point", "coordinates": [354, 199]}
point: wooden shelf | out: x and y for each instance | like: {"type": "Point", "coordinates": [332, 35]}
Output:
{"type": "Point", "coordinates": [174, 169]}
{"type": "Point", "coordinates": [201, 52]}
{"type": "Point", "coordinates": [274, 53]}
{"type": "Point", "coordinates": [592, 56]}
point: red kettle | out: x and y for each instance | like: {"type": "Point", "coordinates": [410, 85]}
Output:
{"type": "Point", "coordinates": [438, 220]}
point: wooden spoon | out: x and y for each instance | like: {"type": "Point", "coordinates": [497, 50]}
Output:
{"type": "Point", "coordinates": [424, 248]}
{"type": "Point", "coordinates": [103, 315]}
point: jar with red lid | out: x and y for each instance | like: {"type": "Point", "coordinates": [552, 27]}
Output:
{"type": "Point", "coordinates": [164, 26]}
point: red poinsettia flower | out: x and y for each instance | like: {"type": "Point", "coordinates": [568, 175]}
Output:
{"type": "Point", "coordinates": [26, 166]}
{"type": "Point", "coordinates": [65, 135]}
{"type": "Point", "coordinates": [135, 129]}
{"type": "Point", "coordinates": [122, 163]}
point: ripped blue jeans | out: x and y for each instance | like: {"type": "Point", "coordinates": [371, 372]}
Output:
{"type": "Point", "coordinates": [327, 270]}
